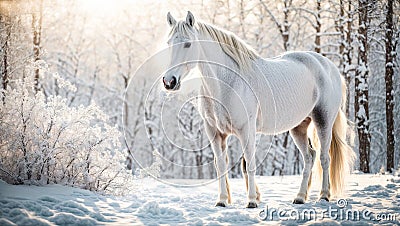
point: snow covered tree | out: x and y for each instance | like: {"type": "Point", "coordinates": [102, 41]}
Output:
{"type": "Point", "coordinates": [317, 27]}
{"type": "Point", "coordinates": [15, 44]}
{"type": "Point", "coordinates": [361, 85]}
{"type": "Point", "coordinates": [345, 27]}
{"type": "Point", "coordinates": [37, 18]}
{"type": "Point", "coordinates": [282, 26]}
{"type": "Point", "coordinates": [5, 21]}
{"type": "Point", "coordinates": [390, 44]}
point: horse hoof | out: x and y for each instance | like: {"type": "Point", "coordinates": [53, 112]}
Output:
{"type": "Point", "coordinates": [220, 204]}
{"type": "Point", "coordinates": [324, 198]}
{"type": "Point", "coordinates": [252, 205]}
{"type": "Point", "coordinates": [298, 201]}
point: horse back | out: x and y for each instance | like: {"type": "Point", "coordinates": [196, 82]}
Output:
{"type": "Point", "coordinates": [299, 81]}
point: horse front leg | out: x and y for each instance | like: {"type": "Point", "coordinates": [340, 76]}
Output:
{"type": "Point", "coordinates": [218, 145]}
{"type": "Point", "coordinates": [246, 178]}
{"type": "Point", "coordinates": [249, 168]}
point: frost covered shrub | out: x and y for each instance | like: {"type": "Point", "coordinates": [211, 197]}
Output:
{"type": "Point", "coordinates": [43, 140]}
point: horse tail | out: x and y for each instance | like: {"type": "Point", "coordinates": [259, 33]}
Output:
{"type": "Point", "coordinates": [341, 154]}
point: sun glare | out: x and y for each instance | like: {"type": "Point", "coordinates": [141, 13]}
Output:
{"type": "Point", "coordinates": [100, 6]}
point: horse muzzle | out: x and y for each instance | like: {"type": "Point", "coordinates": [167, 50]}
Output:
{"type": "Point", "coordinates": [172, 84]}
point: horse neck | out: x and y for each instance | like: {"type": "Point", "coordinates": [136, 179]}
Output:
{"type": "Point", "coordinates": [214, 72]}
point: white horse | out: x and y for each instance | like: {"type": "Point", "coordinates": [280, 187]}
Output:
{"type": "Point", "coordinates": [244, 94]}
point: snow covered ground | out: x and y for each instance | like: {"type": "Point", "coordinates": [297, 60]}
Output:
{"type": "Point", "coordinates": [376, 198]}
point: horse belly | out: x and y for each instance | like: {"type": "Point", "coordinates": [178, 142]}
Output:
{"type": "Point", "coordinates": [287, 111]}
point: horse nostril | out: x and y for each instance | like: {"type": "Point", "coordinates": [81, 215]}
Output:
{"type": "Point", "coordinates": [166, 85]}
{"type": "Point", "coordinates": [173, 82]}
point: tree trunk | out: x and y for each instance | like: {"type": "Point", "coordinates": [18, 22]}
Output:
{"type": "Point", "coordinates": [199, 163]}
{"type": "Point", "coordinates": [286, 25]}
{"type": "Point", "coordinates": [242, 18]}
{"type": "Point", "coordinates": [37, 33]}
{"type": "Point", "coordinates": [345, 48]}
{"type": "Point", "coordinates": [126, 102]}
{"type": "Point", "coordinates": [361, 87]}
{"type": "Point", "coordinates": [390, 51]}
{"type": "Point", "coordinates": [6, 21]}
{"type": "Point", "coordinates": [318, 28]}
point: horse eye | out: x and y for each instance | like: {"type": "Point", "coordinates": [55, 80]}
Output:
{"type": "Point", "coordinates": [187, 45]}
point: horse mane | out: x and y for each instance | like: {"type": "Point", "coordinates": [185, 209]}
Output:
{"type": "Point", "coordinates": [231, 44]}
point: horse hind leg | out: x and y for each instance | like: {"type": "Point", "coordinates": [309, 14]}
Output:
{"type": "Point", "coordinates": [299, 135]}
{"type": "Point", "coordinates": [324, 123]}
{"type": "Point", "coordinates": [247, 139]}
{"type": "Point", "coordinates": [246, 177]}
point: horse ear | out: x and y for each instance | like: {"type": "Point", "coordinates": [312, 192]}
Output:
{"type": "Point", "coordinates": [171, 20]}
{"type": "Point", "coordinates": [190, 19]}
